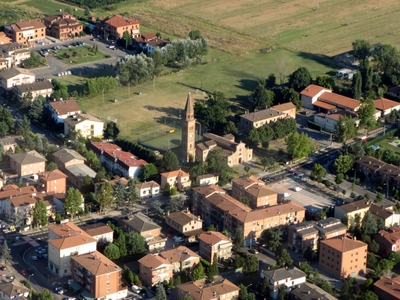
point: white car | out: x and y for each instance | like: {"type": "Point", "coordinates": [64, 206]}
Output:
{"type": "Point", "coordinates": [136, 289]}
{"type": "Point", "coordinates": [178, 239]}
{"type": "Point", "coordinates": [297, 189]}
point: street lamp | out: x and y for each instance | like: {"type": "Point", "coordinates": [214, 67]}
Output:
{"type": "Point", "coordinates": [29, 277]}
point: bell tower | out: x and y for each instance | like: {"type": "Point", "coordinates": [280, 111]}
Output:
{"type": "Point", "coordinates": [188, 146]}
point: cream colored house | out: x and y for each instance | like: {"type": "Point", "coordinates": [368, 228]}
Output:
{"type": "Point", "coordinates": [13, 291]}
{"type": "Point", "coordinates": [15, 76]}
{"type": "Point", "coordinates": [207, 179]}
{"type": "Point", "coordinates": [14, 53]}
{"type": "Point", "coordinates": [85, 125]}
{"type": "Point", "coordinates": [66, 240]}
{"type": "Point", "coordinates": [177, 178]}
{"type": "Point", "coordinates": [148, 189]}
{"type": "Point", "coordinates": [154, 269]}
{"type": "Point", "coordinates": [181, 258]}
{"type": "Point", "coordinates": [184, 222]}
{"type": "Point", "coordinates": [38, 88]}
{"type": "Point", "coordinates": [27, 163]}
{"type": "Point", "coordinates": [214, 242]}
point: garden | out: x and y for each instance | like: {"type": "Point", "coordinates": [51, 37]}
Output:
{"type": "Point", "coordinates": [79, 55]}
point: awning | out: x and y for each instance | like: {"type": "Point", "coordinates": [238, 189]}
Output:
{"type": "Point", "coordinates": [75, 286]}
{"type": "Point", "coordinates": [87, 295]}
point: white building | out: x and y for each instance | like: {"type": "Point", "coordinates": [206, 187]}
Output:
{"type": "Point", "coordinates": [15, 76]}
{"type": "Point", "coordinates": [13, 291]}
{"type": "Point", "coordinates": [85, 125]}
{"type": "Point", "coordinates": [148, 189]}
{"type": "Point", "coordinates": [60, 110]}
{"type": "Point", "coordinates": [291, 277]}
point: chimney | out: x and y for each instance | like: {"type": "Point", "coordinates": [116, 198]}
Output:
{"type": "Point", "coordinates": [354, 238]}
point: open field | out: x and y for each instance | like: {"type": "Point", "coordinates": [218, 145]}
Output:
{"type": "Point", "coordinates": [78, 55]}
{"type": "Point", "coordinates": [49, 7]}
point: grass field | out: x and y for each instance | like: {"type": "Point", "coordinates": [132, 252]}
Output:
{"type": "Point", "coordinates": [50, 7]}
{"type": "Point", "coordinates": [78, 55]}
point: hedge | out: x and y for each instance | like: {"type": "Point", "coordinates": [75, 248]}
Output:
{"type": "Point", "coordinates": [313, 125]}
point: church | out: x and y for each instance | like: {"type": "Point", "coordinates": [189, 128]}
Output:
{"type": "Point", "coordinates": [235, 153]}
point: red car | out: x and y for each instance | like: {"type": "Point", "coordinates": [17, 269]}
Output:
{"type": "Point", "coordinates": [23, 272]}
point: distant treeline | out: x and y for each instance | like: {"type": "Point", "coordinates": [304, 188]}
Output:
{"type": "Point", "coordinates": [91, 4]}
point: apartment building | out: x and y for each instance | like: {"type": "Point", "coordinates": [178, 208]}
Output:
{"type": "Point", "coordinates": [115, 26]}
{"type": "Point", "coordinates": [63, 26]}
{"type": "Point", "coordinates": [184, 222]}
{"type": "Point", "coordinates": [214, 243]}
{"type": "Point", "coordinates": [181, 258]}
{"type": "Point", "coordinates": [60, 110]}
{"type": "Point", "coordinates": [65, 241]}
{"type": "Point", "coordinates": [307, 234]}
{"type": "Point", "coordinates": [343, 257]}
{"type": "Point", "coordinates": [154, 269]}
{"type": "Point", "coordinates": [198, 290]}
{"type": "Point", "coordinates": [15, 76]}
{"type": "Point", "coordinates": [53, 181]}
{"type": "Point", "coordinates": [178, 178]}
{"type": "Point", "coordinates": [266, 116]}
{"type": "Point", "coordinates": [27, 32]}
{"type": "Point", "coordinates": [13, 54]}
{"type": "Point", "coordinates": [388, 287]}
{"type": "Point", "coordinates": [388, 240]}
{"type": "Point", "coordinates": [289, 277]}
{"type": "Point", "coordinates": [200, 193]}
{"type": "Point", "coordinates": [98, 275]}
{"type": "Point", "coordinates": [11, 191]}
{"type": "Point", "coordinates": [85, 125]}
{"type": "Point", "coordinates": [254, 190]}
{"type": "Point", "coordinates": [27, 163]}
{"type": "Point", "coordinates": [35, 89]}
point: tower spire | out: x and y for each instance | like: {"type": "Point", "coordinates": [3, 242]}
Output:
{"type": "Point", "coordinates": [189, 108]}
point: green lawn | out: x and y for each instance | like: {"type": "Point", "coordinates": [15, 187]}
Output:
{"type": "Point", "coordinates": [78, 55]}
{"type": "Point", "coordinates": [385, 145]}
{"type": "Point", "coordinates": [51, 7]}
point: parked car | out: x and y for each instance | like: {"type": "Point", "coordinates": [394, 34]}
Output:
{"type": "Point", "coordinates": [178, 239]}
{"type": "Point", "coordinates": [254, 251]}
{"type": "Point", "coordinates": [34, 258]}
{"type": "Point", "coordinates": [297, 189]}
{"type": "Point", "coordinates": [112, 47]}
{"type": "Point", "coordinates": [136, 289]}
{"type": "Point", "coordinates": [23, 272]}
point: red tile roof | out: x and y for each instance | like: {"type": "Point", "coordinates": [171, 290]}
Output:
{"type": "Point", "coordinates": [339, 100]}
{"type": "Point", "coordinates": [52, 175]}
{"type": "Point", "coordinates": [324, 105]}
{"type": "Point", "coordinates": [176, 173]}
{"type": "Point", "coordinates": [384, 104]}
{"type": "Point", "coordinates": [120, 21]}
{"type": "Point", "coordinates": [343, 244]}
{"type": "Point", "coordinates": [313, 90]}
{"type": "Point", "coordinates": [284, 106]}
{"type": "Point", "coordinates": [389, 286]}
{"type": "Point", "coordinates": [64, 107]}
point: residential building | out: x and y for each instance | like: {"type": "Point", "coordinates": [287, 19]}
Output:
{"type": "Point", "coordinates": [112, 182]}
{"type": "Point", "coordinates": [235, 153]}
{"type": "Point", "coordinates": [309, 291]}
{"type": "Point", "coordinates": [53, 181]}
{"type": "Point", "coordinates": [350, 210]}
{"type": "Point", "coordinates": [154, 269]}
{"type": "Point", "coordinates": [15, 76]}
{"type": "Point", "coordinates": [101, 232]}
{"type": "Point", "coordinates": [266, 116]}
{"type": "Point", "coordinates": [67, 157]}
{"type": "Point", "coordinates": [4, 39]}
{"type": "Point", "coordinates": [11, 191]}
{"type": "Point", "coordinates": [386, 106]}
{"type": "Point", "coordinates": [178, 178]}
{"type": "Point", "coordinates": [59, 199]}
{"type": "Point", "coordinates": [13, 291]}
{"type": "Point", "coordinates": [38, 88]}
{"type": "Point", "coordinates": [148, 42]}
{"type": "Point", "coordinates": [27, 163]}
{"type": "Point", "coordinates": [14, 54]}
{"type": "Point", "coordinates": [185, 223]}
{"type": "Point", "coordinates": [99, 276]}
{"type": "Point", "coordinates": [227, 213]}
{"type": "Point", "coordinates": [343, 257]}
{"type": "Point", "coordinates": [199, 195]}
{"type": "Point", "coordinates": [143, 225]}
{"type": "Point", "coordinates": [148, 189]}
{"type": "Point", "coordinates": [67, 240]}
{"type": "Point", "coordinates": [388, 288]}
{"type": "Point", "coordinates": [198, 290]}
{"type": "Point", "coordinates": [85, 125]}
{"type": "Point", "coordinates": [77, 173]}
{"type": "Point", "coordinates": [27, 32]}
{"type": "Point", "coordinates": [388, 240]}
{"type": "Point", "coordinates": [307, 234]}
{"type": "Point", "coordinates": [207, 179]}
{"type": "Point", "coordinates": [329, 121]}
{"type": "Point", "coordinates": [214, 243]}
{"type": "Point", "coordinates": [181, 258]}
{"type": "Point", "coordinates": [121, 162]}
{"type": "Point", "coordinates": [323, 100]}
{"type": "Point", "coordinates": [60, 110]}
{"type": "Point", "coordinates": [388, 217]}
{"type": "Point", "coordinates": [115, 27]}
{"type": "Point", "coordinates": [10, 142]}
{"type": "Point", "coordinates": [290, 277]}
{"type": "Point", "coordinates": [22, 206]}
{"type": "Point", "coordinates": [188, 141]}
{"type": "Point", "coordinates": [63, 26]}
{"type": "Point", "coordinates": [254, 191]}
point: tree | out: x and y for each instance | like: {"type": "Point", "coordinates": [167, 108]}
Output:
{"type": "Point", "coordinates": [176, 204]}
{"type": "Point", "coordinates": [345, 128]}
{"type": "Point", "coordinates": [284, 259]}
{"type": "Point", "coordinates": [120, 193]}
{"type": "Point", "coordinates": [87, 185]}
{"type": "Point", "coordinates": [104, 196]}
{"type": "Point", "coordinates": [386, 58]}
{"type": "Point", "coordinates": [5, 251]}
{"type": "Point", "coordinates": [250, 264]}
{"type": "Point", "coordinates": [267, 161]}
{"type": "Point", "coordinates": [4, 129]}
{"type": "Point", "coordinates": [326, 286]}
{"type": "Point", "coordinates": [160, 293]}
{"type": "Point", "coordinates": [23, 126]}
{"type": "Point", "coordinates": [369, 295]}
{"type": "Point", "coordinates": [217, 164]}
{"type": "Point", "coordinates": [73, 202]}
{"type": "Point", "coordinates": [366, 114]}
{"type": "Point", "coordinates": [198, 272]}
{"type": "Point", "coordinates": [120, 242]}
{"type": "Point", "coordinates": [282, 292]}
{"type": "Point", "coordinates": [131, 191]}
{"type": "Point", "coordinates": [39, 213]}
{"type": "Point", "coordinates": [238, 239]}
{"type": "Point", "coordinates": [361, 49]}
{"type": "Point", "coordinates": [135, 243]}
{"type": "Point", "coordinates": [134, 69]}
{"type": "Point", "coordinates": [51, 166]}
{"type": "Point", "coordinates": [39, 145]}
{"type": "Point", "coordinates": [214, 266]}
{"type": "Point", "coordinates": [187, 297]}
{"type": "Point", "coordinates": [299, 145]}
{"type": "Point", "coordinates": [111, 131]}
{"type": "Point", "coordinates": [60, 91]}
{"type": "Point", "coordinates": [373, 247]}
{"type": "Point", "coordinates": [178, 280]}
{"type": "Point", "coordinates": [318, 172]}
{"type": "Point", "coordinates": [272, 239]}
{"type": "Point", "coordinates": [357, 86]}
{"type": "Point", "coordinates": [147, 171]}
{"type": "Point", "coordinates": [271, 81]}
{"type": "Point", "coordinates": [126, 36]}
{"type": "Point", "coordinates": [300, 79]}
{"type": "Point", "coordinates": [211, 228]}
{"type": "Point", "coordinates": [290, 95]}
{"type": "Point", "coordinates": [343, 164]}
{"type": "Point", "coordinates": [261, 99]}
{"type": "Point", "coordinates": [368, 225]}
{"type": "Point", "coordinates": [283, 65]}
{"type": "Point", "coordinates": [253, 138]}
{"type": "Point", "coordinates": [265, 289]}
{"type": "Point", "coordinates": [157, 59]}
{"type": "Point", "coordinates": [112, 251]}
{"type": "Point", "coordinates": [339, 178]}
{"type": "Point", "coordinates": [170, 161]}
{"type": "Point", "coordinates": [243, 294]}
{"type": "Point", "coordinates": [45, 295]}
{"type": "Point", "coordinates": [194, 34]}
{"type": "Point", "coordinates": [36, 109]}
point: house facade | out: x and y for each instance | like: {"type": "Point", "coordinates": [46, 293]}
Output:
{"type": "Point", "coordinates": [27, 32]}
{"type": "Point", "coordinates": [388, 241]}
{"type": "Point", "coordinates": [289, 277]}
{"type": "Point", "coordinates": [27, 163]}
{"type": "Point", "coordinates": [181, 258]}
{"type": "Point", "coordinates": [98, 275]}
{"type": "Point", "coordinates": [148, 189]}
{"type": "Point", "coordinates": [388, 287]}
{"type": "Point", "coordinates": [200, 193]}
{"type": "Point", "coordinates": [13, 291]}
{"type": "Point", "coordinates": [115, 26]}
{"type": "Point", "coordinates": [38, 88]}
{"type": "Point", "coordinates": [154, 269]}
{"type": "Point", "coordinates": [207, 179]}
{"type": "Point", "coordinates": [343, 257]}
{"type": "Point", "coordinates": [386, 106]}
{"type": "Point", "coordinates": [53, 181]}
{"type": "Point", "coordinates": [63, 27]}
{"type": "Point", "coordinates": [86, 125]}
{"type": "Point", "coordinates": [148, 42]}
{"type": "Point", "coordinates": [198, 290]}
{"type": "Point", "coordinates": [214, 243]}
{"type": "Point", "coordinates": [13, 54]}
{"type": "Point", "coordinates": [15, 76]}
{"type": "Point", "coordinates": [178, 178]}
{"type": "Point", "coordinates": [60, 110]}
{"type": "Point", "coordinates": [184, 222]}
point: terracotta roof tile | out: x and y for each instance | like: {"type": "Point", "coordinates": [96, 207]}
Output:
{"type": "Point", "coordinates": [343, 244]}
{"type": "Point", "coordinates": [313, 90]}
{"type": "Point", "coordinates": [64, 107]}
{"type": "Point", "coordinates": [96, 263]}
{"type": "Point", "coordinates": [384, 104]}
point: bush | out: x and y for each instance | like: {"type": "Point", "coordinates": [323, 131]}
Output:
{"type": "Point", "coordinates": [173, 191]}
{"type": "Point", "coordinates": [314, 126]}
{"type": "Point", "coordinates": [327, 183]}
{"type": "Point", "coordinates": [352, 195]}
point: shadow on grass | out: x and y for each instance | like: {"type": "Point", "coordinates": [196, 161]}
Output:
{"type": "Point", "coordinates": [173, 113]}
{"type": "Point", "coordinates": [320, 58]}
